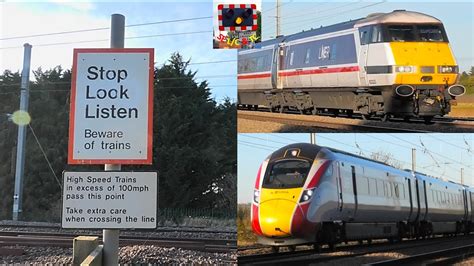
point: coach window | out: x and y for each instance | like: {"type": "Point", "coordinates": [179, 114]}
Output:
{"type": "Point", "coordinates": [332, 53]}
{"type": "Point", "coordinates": [365, 34]}
{"type": "Point", "coordinates": [308, 54]}
{"type": "Point", "coordinates": [380, 190]}
{"type": "Point", "coordinates": [397, 192]}
{"type": "Point", "coordinates": [260, 64]}
{"type": "Point", "coordinates": [292, 55]}
{"type": "Point", "coordinates": [372, 187]}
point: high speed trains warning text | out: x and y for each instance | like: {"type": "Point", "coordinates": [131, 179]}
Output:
{"type": "Point", "coordinates": [111, 106]}
{"type": "Point", "coordinates": [109, 200]}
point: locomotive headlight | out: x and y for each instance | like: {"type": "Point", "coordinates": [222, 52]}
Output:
{"type": "Point", "coordinates": [307, 194]}
{"type": "Point", "coordinates": [447, 69]}
{"type": "Point", "coordinates": [405, 69]}
{"type": "Point", "coordinates": [256, 196]}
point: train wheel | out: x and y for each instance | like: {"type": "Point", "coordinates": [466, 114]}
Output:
{"type": "Point", "coordinates": [275, 249]}
{"type": "Point", "coordinates": [386, 117]}
{"type": "Point", "coordinates": [350, 113]}
{"type": "Point", "coordinates": [369, 241]}
{"type": "Point", "coordinates": [317, 247]}
{"type": "Point", "coordinates": [366, 116]}
{"type": "Point", "coordinates": [331, 246]}
{"type": "Point", "coordinates": [428, 119]}
{"type": "Point", "coordinates": [292, 248]}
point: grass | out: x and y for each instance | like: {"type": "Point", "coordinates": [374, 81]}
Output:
{"type": "Point", "coordinates": [245, 236]}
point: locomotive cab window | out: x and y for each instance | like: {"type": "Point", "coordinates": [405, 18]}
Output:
{"type": "Point", "coordinates": [431, 33]}
{"type": "Point", "coordinates": [287, 174]}
{"type": "Point", "coordinates": [365, 34]}
{"type": "Point", "coordinates": [401, 33]}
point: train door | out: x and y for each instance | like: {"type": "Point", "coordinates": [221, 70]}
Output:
{"type": "Point", "coordinates": [340, 202]}
{"type": "Point", "coordinates": [424, 202]}
{"type": "Point", "coordinates": [472, 206]}
{"type": "Point", "coordinates": [465, 199]}
{"type": "Point", "coordinates": [417, 193]}
{"type": "Point", "coordinates": [292, 65]}
{"type": "Point", "coordinates": [277, 65]}
{"type": "Point", "coordinates": [410, 197]}
{"type": "Point", "coordinates": [364, 34]}
{"type": "Point", "coordinates": [354, 187]}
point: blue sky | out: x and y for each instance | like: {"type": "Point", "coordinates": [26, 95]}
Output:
{"type": "Point", "coordinates": [298, 15]}
{"type": "Point", "coordinates": [26, 18]}
{"type": "Point", "coordinates": [441, 158]}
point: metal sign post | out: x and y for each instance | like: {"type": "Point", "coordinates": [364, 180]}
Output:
{"type": "Point", "coordinates": [111, 236]}
{"type": "Point", "coordinates": [111, 123]}
{"type": "Point", "coordinates": [20, 148]}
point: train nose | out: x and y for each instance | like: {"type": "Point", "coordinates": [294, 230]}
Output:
{"type": "Point", "coordinates": [276, 217]}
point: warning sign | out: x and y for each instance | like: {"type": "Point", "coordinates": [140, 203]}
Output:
{"type": "Point", "coordinates": [111, 107]}
{"type": "Point", "coordinates": [109, 200]}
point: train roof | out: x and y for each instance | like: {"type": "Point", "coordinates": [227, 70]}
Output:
{"type": "Point", "coordinates": [323, 30]}
{"type": "Point", "coordinates": [396, 16]}
{"type": "Point", "coordinates": [311, 151]}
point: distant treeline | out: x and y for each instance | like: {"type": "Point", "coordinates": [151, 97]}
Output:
{"type": "Point", "coordinates": [194, 142]}
{"type": "Point", "coordinates": [467, 80]}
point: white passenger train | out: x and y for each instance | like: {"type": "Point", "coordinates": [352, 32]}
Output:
{"type": "Point", "coordinates": [397, 64]}
{"type": "Point", "coordinates": [308, 194]}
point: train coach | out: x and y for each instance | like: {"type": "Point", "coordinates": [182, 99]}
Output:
{"type": "Point", "coordinates": [308, 194]}
{"type": "Point", "coordinates": [396, 64]}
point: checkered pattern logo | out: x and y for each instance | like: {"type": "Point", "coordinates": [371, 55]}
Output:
{"type": "Point", "coordinates": [220, 7]}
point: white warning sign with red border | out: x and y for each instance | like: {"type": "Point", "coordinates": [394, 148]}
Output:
{"type": "Point", "coordinates": [220, 7]}
{"type": "Point", "coordinates": [111, 114]}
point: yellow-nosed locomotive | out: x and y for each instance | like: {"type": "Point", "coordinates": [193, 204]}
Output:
{"type": "Point", "coordinates": [397, 64]}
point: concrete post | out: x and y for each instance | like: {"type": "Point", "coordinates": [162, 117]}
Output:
{"type": "Point", "coordinates": [82, 246]}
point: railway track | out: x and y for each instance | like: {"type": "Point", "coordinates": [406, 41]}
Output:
{"type": "Point", "coordinates": [359, 125]}
{"type": "Point", "coordinates": [65, 240]}
{"type": "Point", "coordinates": [158, 229]}
{"type": "Point", "coordinates": [439, 257]}
{"type": "Point", "coordinates": [304, 257]}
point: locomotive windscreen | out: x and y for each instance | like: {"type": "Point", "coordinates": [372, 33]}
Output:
{"type": "Point", "coordinates": [287, 174]}
{"type": "Point", "coordinates": [415, 33]}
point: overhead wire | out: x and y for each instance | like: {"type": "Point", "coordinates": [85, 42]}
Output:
{"type": "Point", "coordinates": [102, 28]}
{"type": "Point", "coordinates": [253, 137]}
{"type": "Point", "coordinates": [332, 15]}
{"type": "Point", "coordinates": [438, 154]}
{"type": "Point", "coordinates": [454, 145]}
{"type": "Point", "coordinates": [106, 40]}
{"type": "Point", "coordinates": [257, 144]}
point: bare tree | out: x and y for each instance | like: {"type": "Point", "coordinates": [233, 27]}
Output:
{"type": "Point", "coordinates": [387, 158]}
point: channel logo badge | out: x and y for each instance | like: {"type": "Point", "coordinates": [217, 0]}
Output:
{"type": "Point", "coordinates": [237, 17]}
